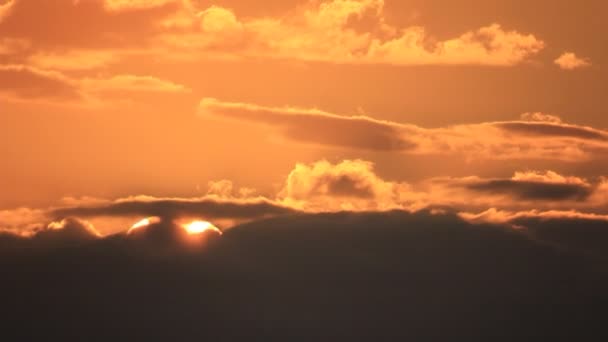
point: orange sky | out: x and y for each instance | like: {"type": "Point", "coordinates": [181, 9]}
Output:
{"type": "Point", "coordinates": [307, 105]}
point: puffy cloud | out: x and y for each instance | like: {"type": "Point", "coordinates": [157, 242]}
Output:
{"type": "Point", "coordinates": [338, 31]}
{"type": "Point", "coordinates": [22, 221]}
{"type": "Point", "coordinates": [348, 185]}
{"type": "Point", "coordinates": [535, 136]}
{"type": "Point", "coordinates": [351, 31]}
{"type": "Point", "coordinates": [570, 61]}
{"type": "Point", "coordinates": [541, 117]}
{"type": "Point", "coordinates": [221, 188]}
{"type": "Point", "coordinates": [490, 45]}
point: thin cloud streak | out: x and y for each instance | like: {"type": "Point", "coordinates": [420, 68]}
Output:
{"type": "Point", "coordinates": [536, 136]}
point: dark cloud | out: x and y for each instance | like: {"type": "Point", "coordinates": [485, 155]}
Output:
{"type": "Point", "coordinates": [530, 190]}
{"type": "Point", "coordinates": [341, 276]}
{"type": "Point", "coordinates": [69, 232]}
{"type": "Point", "coordinates": [587, 235]}
{"type": "Point", "coordinates": [316, 127]}
{"type": "Point", "coordinates": [207, 208]}
{"type": "Point", "coordinates": [491, 140]}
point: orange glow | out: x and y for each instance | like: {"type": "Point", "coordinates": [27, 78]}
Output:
{"type": "Point", "coordinates": [199, 227]}
{"type": "Point", "coordinates": [143, 223]}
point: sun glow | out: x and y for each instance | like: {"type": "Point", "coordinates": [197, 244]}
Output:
{"type": "Point", "coordinates": [143, 223]}
{"type": "Point", "coordinates": [199, 227]}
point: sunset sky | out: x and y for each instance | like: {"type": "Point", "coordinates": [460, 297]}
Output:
{"type": "Point", "coordinates": [493, 108]}
{"type": "Point", "coordinates": [303, 170]}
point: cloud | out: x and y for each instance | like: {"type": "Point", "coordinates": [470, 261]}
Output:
{"type": "Point", "coordinates": [22, 221]}
{"type": "Point", "coordinates": [537, 186]}
{"type": "Point", "coordinates": [570, 61]}
{"type": "Point", "coordinates": [568, 229]}
{"type": "Point", "coordinates": [305, 273]}
{"type": "Point", "coordinates": [209, 208]}
{"type": "Point", "coordinates": [354, 32]}
{"type": "Point", "coordinates": [132, 83]}
{"type": "Point", "coordinates": [545, 190]}
{"type": "Point", "coordinates": [25, 82]}
{"type": "Point", "coordinates": [114, 24]}
{"type": "Point", "coordinates": [348, 185]}
{"type": "Point", "coordinates": [68, 232]}
{"type": "Point", "coordinates": [338, 31]}
{"type": "Point", "coordinates": [29, 82]}
{"type": "Point", "coordinates": [132, 5]}
{"type": "Point", "coordinates": [534, 136]}
{"type": "Point", "coordinates": [315, 126]}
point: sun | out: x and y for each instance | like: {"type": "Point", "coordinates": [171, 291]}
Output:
{"type": "Point", "coordinates": [199, 227]}
{"type": "Point", "coordinates": [143, 223]}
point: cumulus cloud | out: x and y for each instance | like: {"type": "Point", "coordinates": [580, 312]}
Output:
{"type": "Point", "coordinates": [334, 32]}
{"type": "Point", "coordinates": [570, 61]}
{"type": "Point", "coordinates": [348, 185]}
{"type": "Point", "coordinates": [338, 31]}
{"type": "Point", "coordinates": [534, 136]}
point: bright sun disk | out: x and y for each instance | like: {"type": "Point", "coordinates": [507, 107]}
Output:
{"type": "Point", "coordinates": [199, 227]}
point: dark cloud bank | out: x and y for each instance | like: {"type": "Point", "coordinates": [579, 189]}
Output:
{"type": "Point", "coordinates": [323, 277]}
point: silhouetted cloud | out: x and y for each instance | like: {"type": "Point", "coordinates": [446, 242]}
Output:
{"type": "Point", "coordinates": [209, 208]}
{"type": "Point", "coordinates": [362, 276]}
{"type": "Point", "coordinates": [533, 190]}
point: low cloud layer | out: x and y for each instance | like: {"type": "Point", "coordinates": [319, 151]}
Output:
{"type": "Point", "coordinates": [534, 136]}
{"type": "Point", "coordinates": [364, 275]}
{"type": "Point", "coordinates": [322, 186]}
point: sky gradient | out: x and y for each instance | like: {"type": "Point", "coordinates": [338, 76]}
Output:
{"type": "Point", "coordinates": [308, 106]}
